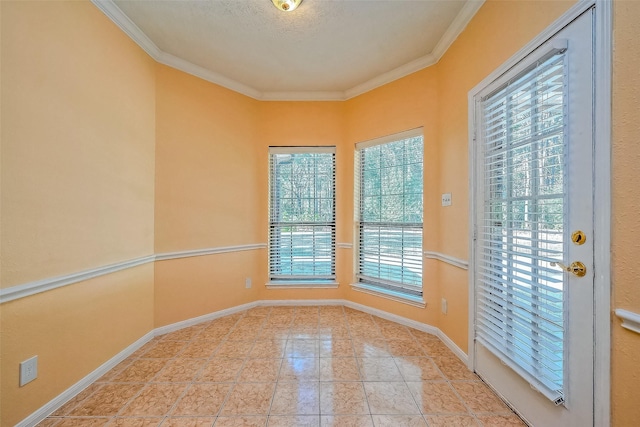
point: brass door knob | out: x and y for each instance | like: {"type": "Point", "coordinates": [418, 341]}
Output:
{"type": "Point", "coordinates": [576, 267]}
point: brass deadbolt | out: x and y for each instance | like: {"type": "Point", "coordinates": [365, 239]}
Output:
{"type": "Point", "coordinates": [577, 268]}
{"type": "Point", "coordinates": [578, 237]}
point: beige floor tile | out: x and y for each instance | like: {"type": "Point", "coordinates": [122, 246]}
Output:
{"type": "Point", "coordinates": [379, 369]}
{"type": "Point", "coordinates": [108, 400]}
{"type": "Point", "coordinates": [75, 401]}
{"type": "Point", "coordinates": [398, 420]}
{"type": "Point", "coordinates": [436, 397]}
{"type": "Point", "coordinates": [251, 421]}
{"type": "Point", "coordinates": [336, 348]}
{"type": "Point", "coordinates": [433, 348]}
{"type": "Point", "coordinates": [200, 348]}
{"type": "Point", "coordinates": [109, 376]}
{"type": "Point", "coordinates": [300, 369]}
{"type": "Point", "coordinates": [83, 422]}
{"type": "Point", "coordinates": [276, 332]}
{"type": "Point", "coordinates": [387, 398]}
{"type": "Point", "coordinates": [260, 370]}
{"type": "Point", "coordinates": [393, 331]}
{"type": "Point", "coordinates": [418, 369]}
{"type": "Point", "coordinates": [186, 334]}
{"type": "Point", "coordinates": [501, 421]}
{"type": "Point", "coordinates": [141, 370]}
{"type": "Point", "coordinates": [339, 369]}
{"type": "Point", "coordinates": [137, 422]}
{"type": "Point", "coordinates": [214, 333]}
{"type": "Point", "coordinates": [454, 369]}
{"type": "Point", "coordinates": [302, 348]}
{"type": "Point", "coordinates": [304, 332]}
{"type": "Point", "coordinates": [294, 421]}
{"type": "Point", "coordinates": [296, 398]}
{"type": "Point", "coordinates": [154, 400]}
{"type": "Point", "coordinates": [480, 398]}
{"type": "Point", "coordinates": [365, 332]}
{"type": "Point", "coordinates": [408, 348]}
{"type": "Point", "coordinates": [49, 422]}
{"type": "Point", "coordinates": [247, 333]}
{"type": "Point", "coordinates": [342, 398]}
{"type": "Point", "coordinates": [272, 348]}
{"type": "Point", "coordinates": [371, 348]}
{"type": "Point", "coordinates": [220, 369]}
{"type": "Point", "coordinates": [165, 350]}
{"type": "Point", "coordinates": [451, 421]}
{"type": "Point", "coordinates": [202, 400]}
{"type": "Point", "coordinates": [234, 349]}
{"type": "Point", "coordinates": [188, 422]}
{"type": "Point", "coordinates": [249, 399]}
{"type": "Point", "coordinates": [180, 370]}
{"type": "Point", "coordinates": [335, 332]}
{"type": "Point", "coordinates": [346, 421]}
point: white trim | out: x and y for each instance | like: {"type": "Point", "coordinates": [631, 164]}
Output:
{"type": "Point", "coordinates": [209, 251]}
{"type": "Point", "coordinates": [162, 330]}
{"type": "Point", "coordinates": [303, 302]}
{"type": "Point", "coordinates": [208, 75]}
{"type": "Point", "coordinates": [602, 213]}
{"type": "Point", "coordinates": [412, 324]}
{"type": "Point", "coordinates": [389, 294]}
{"type": "Point", "coordinates": [456, 262]}
{"type": "Point", "coordinates": [411, 133]}
{"type": "Point", "coordinates": [115, 14]}
{"type": "Point", "coordinates": [32, 288]}
{"type": "Point", "coordinates": [72, 391]}
{"type": "Point", "coordinates": [302, 149]}
{"type": "Point", "coordinates": [50, 407]}
{"type": "Point", "coordinates": [314, 284]}
{"type": "Point", "coordinates": [630, 320]}
{"type": "Point", "coordinates": [344, 245]}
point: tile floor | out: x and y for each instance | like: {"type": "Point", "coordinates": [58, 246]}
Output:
{"type": "Point", "coordinates": [289, 366]}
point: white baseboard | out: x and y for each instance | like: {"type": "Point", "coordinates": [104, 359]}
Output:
{"type": "Point", "coordinates": [72, 391]}
{"type": "Point", "coordinates": [85, 382]}
{"type": "Point", "coordinates": [205, 318]}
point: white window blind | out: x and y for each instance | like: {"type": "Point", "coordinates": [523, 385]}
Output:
{"type": "Point", "coordinates": [302, 225]}
{"type": "Point", "coordinates": [389, 182]}
{"type": "Point", "coordinates": [520, 300]}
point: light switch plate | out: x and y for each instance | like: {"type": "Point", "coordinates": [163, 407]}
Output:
{"type": "Point", "coordinates": [446, 199]}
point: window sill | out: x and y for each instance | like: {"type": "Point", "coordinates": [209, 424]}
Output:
{"type": "Point", "coordinates": [389, 294]}
{"type": "Point", "coordinates": [301, 284]}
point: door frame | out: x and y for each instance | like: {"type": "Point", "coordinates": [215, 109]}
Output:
{"type": "Point", "coordinates": [603, 30]}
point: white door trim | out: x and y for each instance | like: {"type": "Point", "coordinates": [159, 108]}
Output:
{"type": "Point", "coordinates": [602, 186]}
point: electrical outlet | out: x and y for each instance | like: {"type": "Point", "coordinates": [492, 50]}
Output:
{"type": "Point", "coordinates": [444, 305]}
{"type": "Point", "coordinates": [446, 199]}
{"type": "Point", "coordinates": [28, 370]}
{"type": "Point", "coordinates": [247, 282]}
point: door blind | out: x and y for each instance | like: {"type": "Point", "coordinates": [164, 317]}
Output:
{"type": "Point", "coordinates": [520, 296]}
{"type": "Point", "coordinates": [302, 225]}
{"type": "Point", "coordinates": [389, 223]}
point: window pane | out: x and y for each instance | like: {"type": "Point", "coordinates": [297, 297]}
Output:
{"type": "Point", "coordinates": [302, 216]}
{"type": "Point", "coordinates": [390, 215]}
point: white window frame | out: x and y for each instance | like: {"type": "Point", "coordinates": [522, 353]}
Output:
{"type": "Point", "coordinates": [395, 291]}
{"type": "Point", "coordinates": [328, 281]}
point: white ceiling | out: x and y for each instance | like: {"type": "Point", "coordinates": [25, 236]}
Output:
{"type": "Point", "coordinates": [325, 49]}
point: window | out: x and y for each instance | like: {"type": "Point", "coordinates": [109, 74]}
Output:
{"type": "Point", "coordinates": [302, 226]}
{"type": "Point", "coordinates": [389, 180]}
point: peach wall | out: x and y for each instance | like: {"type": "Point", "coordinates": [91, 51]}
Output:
{"type": "Point", "coordinates": [208, 195]}
{"type": "Point", "coordinates": [78, 137]}
{"type": "Point", "coordinates": [77, 142]}
{"type": "Point", "coordinates": [404, 104]}
{"type": "Point", "coordinates": [626, 205]}
{"type": "Point", "coordinates": [307, 124]}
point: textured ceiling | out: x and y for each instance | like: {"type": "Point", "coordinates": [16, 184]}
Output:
{"type": "Point", "coordinates": [323, 46]}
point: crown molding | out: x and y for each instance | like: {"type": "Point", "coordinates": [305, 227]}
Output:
{"type": "Point", "coordinates": [113, 12]}
{"type": "Point", "coordinates": [460, 22]}
{"type": "Point", "coordinates": [208, 75]}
